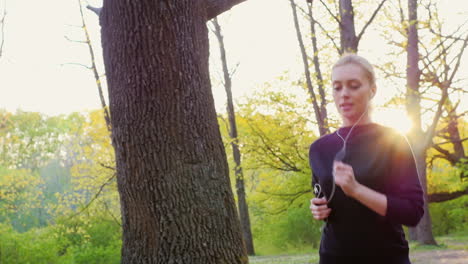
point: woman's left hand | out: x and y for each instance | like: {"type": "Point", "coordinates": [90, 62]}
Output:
{"type": "Point", "coordinates": [344, 177]}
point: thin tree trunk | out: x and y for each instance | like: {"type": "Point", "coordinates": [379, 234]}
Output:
{"type": "Point", "coordinates": [240, 187]}
{"type": "Point", "coordinates": [318, 72]}
{"type": "Point", "coordinates": [319, 117]}
{"type": "Point", "coordinates": [423, 232]}
{"type": "Point", "coordinates": [173, 179]}
{"type": "Point", "coordinates": [349, 39]}
{"type": "Point", "coordinates": [95, 71]}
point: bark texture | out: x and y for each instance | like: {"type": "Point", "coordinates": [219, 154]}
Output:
{"type": "Point", "coordinates": [173, 179]}
{"type": "Point", "coordinates": [349, 40]}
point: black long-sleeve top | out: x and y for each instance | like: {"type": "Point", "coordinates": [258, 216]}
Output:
{"type": "Point", "coordinates": [383, 161]}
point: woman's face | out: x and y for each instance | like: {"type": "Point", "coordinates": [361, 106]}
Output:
{"type": "Point", "coordinates": [352, 91]}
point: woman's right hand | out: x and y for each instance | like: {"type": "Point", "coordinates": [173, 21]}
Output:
{"type": "Point", "coordinates": [319, 208]}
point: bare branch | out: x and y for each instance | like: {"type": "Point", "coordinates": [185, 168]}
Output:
{"type": "Point", "coordinates": [450, 141]}
{"type": "Point", "coordinates": [107, 167]}
{"type": "Point", "coordinates": [95, 71]}
{"type": "Point", "coordinates": [459, 56]}
{"type": "Point", "coordinates": [95, 196]}
{"type": "Point", "coordinates": [217, 7]}
{"type": "Point", "coordinates": [2, 29]}
{"type": "Point", "coordinates": [76, 41]}
{"type": "Point", "coordinates": [331, 13]}
{"type": "Point", "coordinates": [332, 39]}
{"type": "Point", "coordinates": [78, 64]}
{"type": "Point", "coordinates": [445, 196]}
{"type": "Point", "coordinates": [370, 20]}
{"type": "Point", "coordinates": [435, 120]}
{"type": "Point", "coordinates": [286, 194]}
{"type": "Point", "coordinates": [298, 195]}
{"type": "Point", "coordinates": [96, 10]}
{"type": "Point", "coordinates": [308, 14]}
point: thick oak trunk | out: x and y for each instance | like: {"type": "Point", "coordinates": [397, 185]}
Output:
{"type": "Point", "coordinates": [173, 179]}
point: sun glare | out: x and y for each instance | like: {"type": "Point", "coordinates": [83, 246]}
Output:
{"type": "Point", "coordinates": [394, 118]}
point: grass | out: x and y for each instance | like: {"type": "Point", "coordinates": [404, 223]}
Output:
{"type": "Point", "coordinates": [285, 259]}
{"type": "Point", "coordinates": [454, 242]}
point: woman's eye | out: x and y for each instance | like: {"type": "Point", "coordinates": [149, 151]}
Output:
{"type": "Point", "coordinates": [355, 86]}
{"type": "Point", "coordinates": [336, 88]}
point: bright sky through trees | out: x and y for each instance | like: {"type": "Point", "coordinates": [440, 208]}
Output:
{"type": "Point", "coordinates": [39, 69]}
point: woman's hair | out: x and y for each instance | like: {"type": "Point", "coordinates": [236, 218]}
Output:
{"type": "Point", "coordinates": [351, 58]}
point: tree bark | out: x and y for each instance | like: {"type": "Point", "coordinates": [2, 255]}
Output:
{"type": "Point", "coordinates": [423, 232]}
{"type": "Point", "coordinates": [173, 179]}
{"type": "Point", "coordinates": [349, 39]}
{"type": "Point", "coordinates": [240, 187]}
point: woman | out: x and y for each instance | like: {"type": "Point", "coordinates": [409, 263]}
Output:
{"type": "Point", "coordinates": [365, 177]}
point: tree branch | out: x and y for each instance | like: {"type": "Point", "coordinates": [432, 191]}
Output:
{"type": "Point", "coordinates": [79, 64]}
{"type": "Point", "coordinates": [445, 196]}
{"type": "Point", "coordinates": [321, 27]}
{"type": "Point", "coordinates": [2, 29]}
{"type": "Point", "coordinates": [95, 196]}
{"type": "Point", "coordinates": [217, 7]}
{"type": "Point", "coordinates": [331, 13]}
{"type": "Point", "coordinates": [96, 10]}
{"type": "Point", "coordinates": [76, 41]}
{"type": "Point", "coordinates": [370, 20]}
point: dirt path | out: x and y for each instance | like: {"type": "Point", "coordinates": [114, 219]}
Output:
{"type": "Point", "coordinates": [446, 256]}
{"type": "Point", "coordinates": [440, 257]}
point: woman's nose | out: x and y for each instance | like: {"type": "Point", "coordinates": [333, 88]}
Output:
{"type": "Point", "coordinates": [345, 92]}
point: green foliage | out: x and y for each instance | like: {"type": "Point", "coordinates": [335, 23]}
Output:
{"type": "Point", "coordinates": [20, 197]}
{"type": "Point", "coordinates": [97, 242]}
{"type": "Point", "coordinates": [36, 246]}
{"type": "Point", "coordinates": [291, 231]}
{"type": "Point", "coordinates": [450, 217]}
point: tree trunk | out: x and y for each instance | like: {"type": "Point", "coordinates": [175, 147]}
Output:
{"type": "Point", "coordinates": [319, 116]}
{"type": "Point", "coordinates": [318, 73]}
{"type": "Point", "coordinates": [349, 40]}
{"type": "Point", "coordinates": [176, 201]}
{"type": "Point", "coordinates": [423, 232]}
{"type": "Point", "coordinates": [240, 187]}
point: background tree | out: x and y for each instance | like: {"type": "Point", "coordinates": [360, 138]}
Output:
{"type": "Point", "coordinates": [431, 75]}
{"type": "Point", "coordinates": [344, 20]}
{"type": "Point", "coordinates": [239, 175]}
{"type": "Point", "coordinates": [172, 173]}
{"type": "Point", "coordinates": [93, 66]}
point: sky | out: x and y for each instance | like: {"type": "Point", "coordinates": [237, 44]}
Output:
{"type": "Point", "coordinates": [39, 69]}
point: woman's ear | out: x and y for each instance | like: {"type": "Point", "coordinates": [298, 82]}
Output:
{"type": "Point", "coordinates": [373, 91]}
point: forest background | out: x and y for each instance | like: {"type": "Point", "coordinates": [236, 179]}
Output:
{"type": "Point", "coordinates": [58, 193]}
